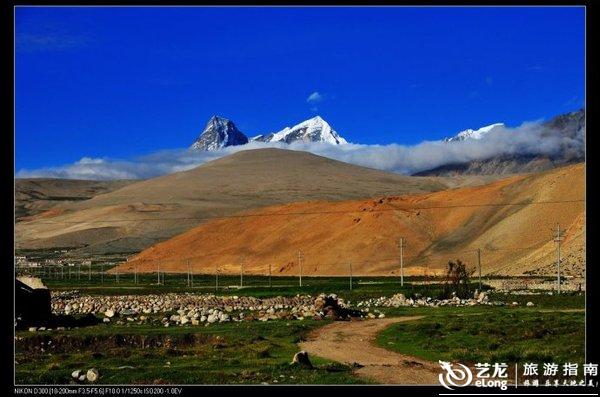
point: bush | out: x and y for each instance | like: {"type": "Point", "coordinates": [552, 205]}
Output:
{"type": "Point", "coordinates": [457, 280]}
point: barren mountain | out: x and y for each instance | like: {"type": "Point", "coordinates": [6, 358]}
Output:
{"type": "Point", "coordinates": [36, 195]}
{"type": "Point", "coordinates": [142, 213]}
{"type": "Point", "coordinates": [511, 220]}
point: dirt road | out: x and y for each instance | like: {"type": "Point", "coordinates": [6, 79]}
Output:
{"type": "Point", "coordinates": [354, 342]}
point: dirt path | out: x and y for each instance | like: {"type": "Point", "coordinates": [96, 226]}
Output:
{"type": "Point", "coordinates": [354, 342]}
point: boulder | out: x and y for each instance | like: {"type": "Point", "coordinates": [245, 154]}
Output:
{"type": "Point", "coordinates": [301, 359]}
{"type": "Point", "coordinates": [92, 375]}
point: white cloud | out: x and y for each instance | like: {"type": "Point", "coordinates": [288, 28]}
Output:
{"type": "Point", "coordinates": [315, 97]}
{"type": "Point", "coordinates": [529, 138]}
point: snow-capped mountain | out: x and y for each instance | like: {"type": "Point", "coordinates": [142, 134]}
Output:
{"type": "Point", "coordinates": [473, 134]}
{"type": "Point", "coordinates": [312, 130]}
{"type": "Point", "coordinates": [219, 133]}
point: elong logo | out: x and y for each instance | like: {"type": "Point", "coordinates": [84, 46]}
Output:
{"type": "Point", "coordinates": [456, 377]}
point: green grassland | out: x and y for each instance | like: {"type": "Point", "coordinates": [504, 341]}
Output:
{"type": "Point", "coordinates": [245, 352]}
{"type": "Point", "coordinates": [260, 352]}
{"type": "Point", "coordinates": [500, 335]}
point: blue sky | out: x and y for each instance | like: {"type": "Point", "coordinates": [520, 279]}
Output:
{"type": "Point", "coordinates": [123, 82]}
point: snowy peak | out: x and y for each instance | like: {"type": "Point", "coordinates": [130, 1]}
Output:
{"type": "Point", "coordinates": [473, 134]}
{"type": "Point", "coordinates": [219, 133]}
{"type": "Point", "coordinates": [311, 130]}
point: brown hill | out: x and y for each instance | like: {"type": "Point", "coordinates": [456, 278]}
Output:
{"type": "Point", "coordinates": [136, 216]}
{"type": "Point", "coordinates": [36, 195]}
{"type": "Point", "coordinates": [450, 224]}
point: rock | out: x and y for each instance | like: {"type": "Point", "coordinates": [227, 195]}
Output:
{"type": "Point", "coordinates": [76, 374]}
{"type": "Point", "coordinates": [530, 304]}
{"type": "Point", "coordinates": [106, 320]}
{"type": "Point", "coordinates": [381, 315]}
{"type": "Point", "coordinates": [92, 375]}
{"type": "Point", "coordinates": [301, 359]}
{"type": "Point", "coordinates": [515, 303]}
{"type": "Point", "coordinates": [212, 318]}
{"type": "Point", "coordinates": [109, 313]}
{"type": "Point", "coordinates": [32, 329]}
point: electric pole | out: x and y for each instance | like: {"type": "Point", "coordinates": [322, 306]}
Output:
{"type": "Point", "coordinates": [158, 273]}
{"type": "Point", "coordinates": [558, 240]}
{"type": "Point", "coordinates": [401, 246]}
{"type": "Point", "coordinates": [188, 273]}
{"type": "Point", "coordinates": [300, 264]}
{"type": "Point", "coordinates": [479, 265]}
{"type": "Point", "coordinates": [242, 273]}
{"type": "Point", "coordinates": [217, 278]}
{"type": "Point", "coordinates": [191, 277]}
{"type": "Point", "coordinates": [270, 276]}
{"type": "Point", "coordinates": [350, 264]}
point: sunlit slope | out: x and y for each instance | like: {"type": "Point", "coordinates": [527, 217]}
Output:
{"type": "Point", "coordinates": [511, 220]}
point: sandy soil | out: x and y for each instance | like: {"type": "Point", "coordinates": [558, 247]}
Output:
{"type": "Point", "coordinates": [354, 342]}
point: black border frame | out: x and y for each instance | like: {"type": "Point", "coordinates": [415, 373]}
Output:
{"type": "Point", "coordinates": [8, 170]}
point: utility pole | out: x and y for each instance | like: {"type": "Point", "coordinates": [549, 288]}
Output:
{"type": "Point", "coordinates": [479, 265]}
{"type": "Point", "coordinates": [135, 278]}
{"type": "Point", "coordinates": [270, 276]}
{"type": "Point", "coordinates": [242, 272]}
{"type": "Point", "coordinates": [350, 276]}
{"type": "Point", "coordinates": [158, 273]}
{"type": "Point", "coordinates": [217, 278]}
{"type": "Point", "coordinates": [300, 264]}
{"type": "Point", "coordinates": [188, 273]}
{"type": "Point", "coordinates": [401, 246]}
{"type": "Point", "coordinates": [558, 239]}
{"type": "Point", "coordinates": [191, 277]}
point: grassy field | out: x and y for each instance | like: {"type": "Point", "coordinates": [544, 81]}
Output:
{"type": "Point", "coordinates": [362, 287]}
{"type": "Point", "coordinates": [258, 352]}
{"type": "Point", "coordinates": [247, 352]}
{"type": "Point", "coordinates": [497, 335]}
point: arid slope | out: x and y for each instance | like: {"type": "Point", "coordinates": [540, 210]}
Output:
{"type": "Point", "coordinates": [136, 216]}
{"type": "Point", "coordinates": [450, 224]}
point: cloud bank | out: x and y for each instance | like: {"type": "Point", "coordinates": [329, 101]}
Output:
{"type": "Point", "coordinates": [531, 138]}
